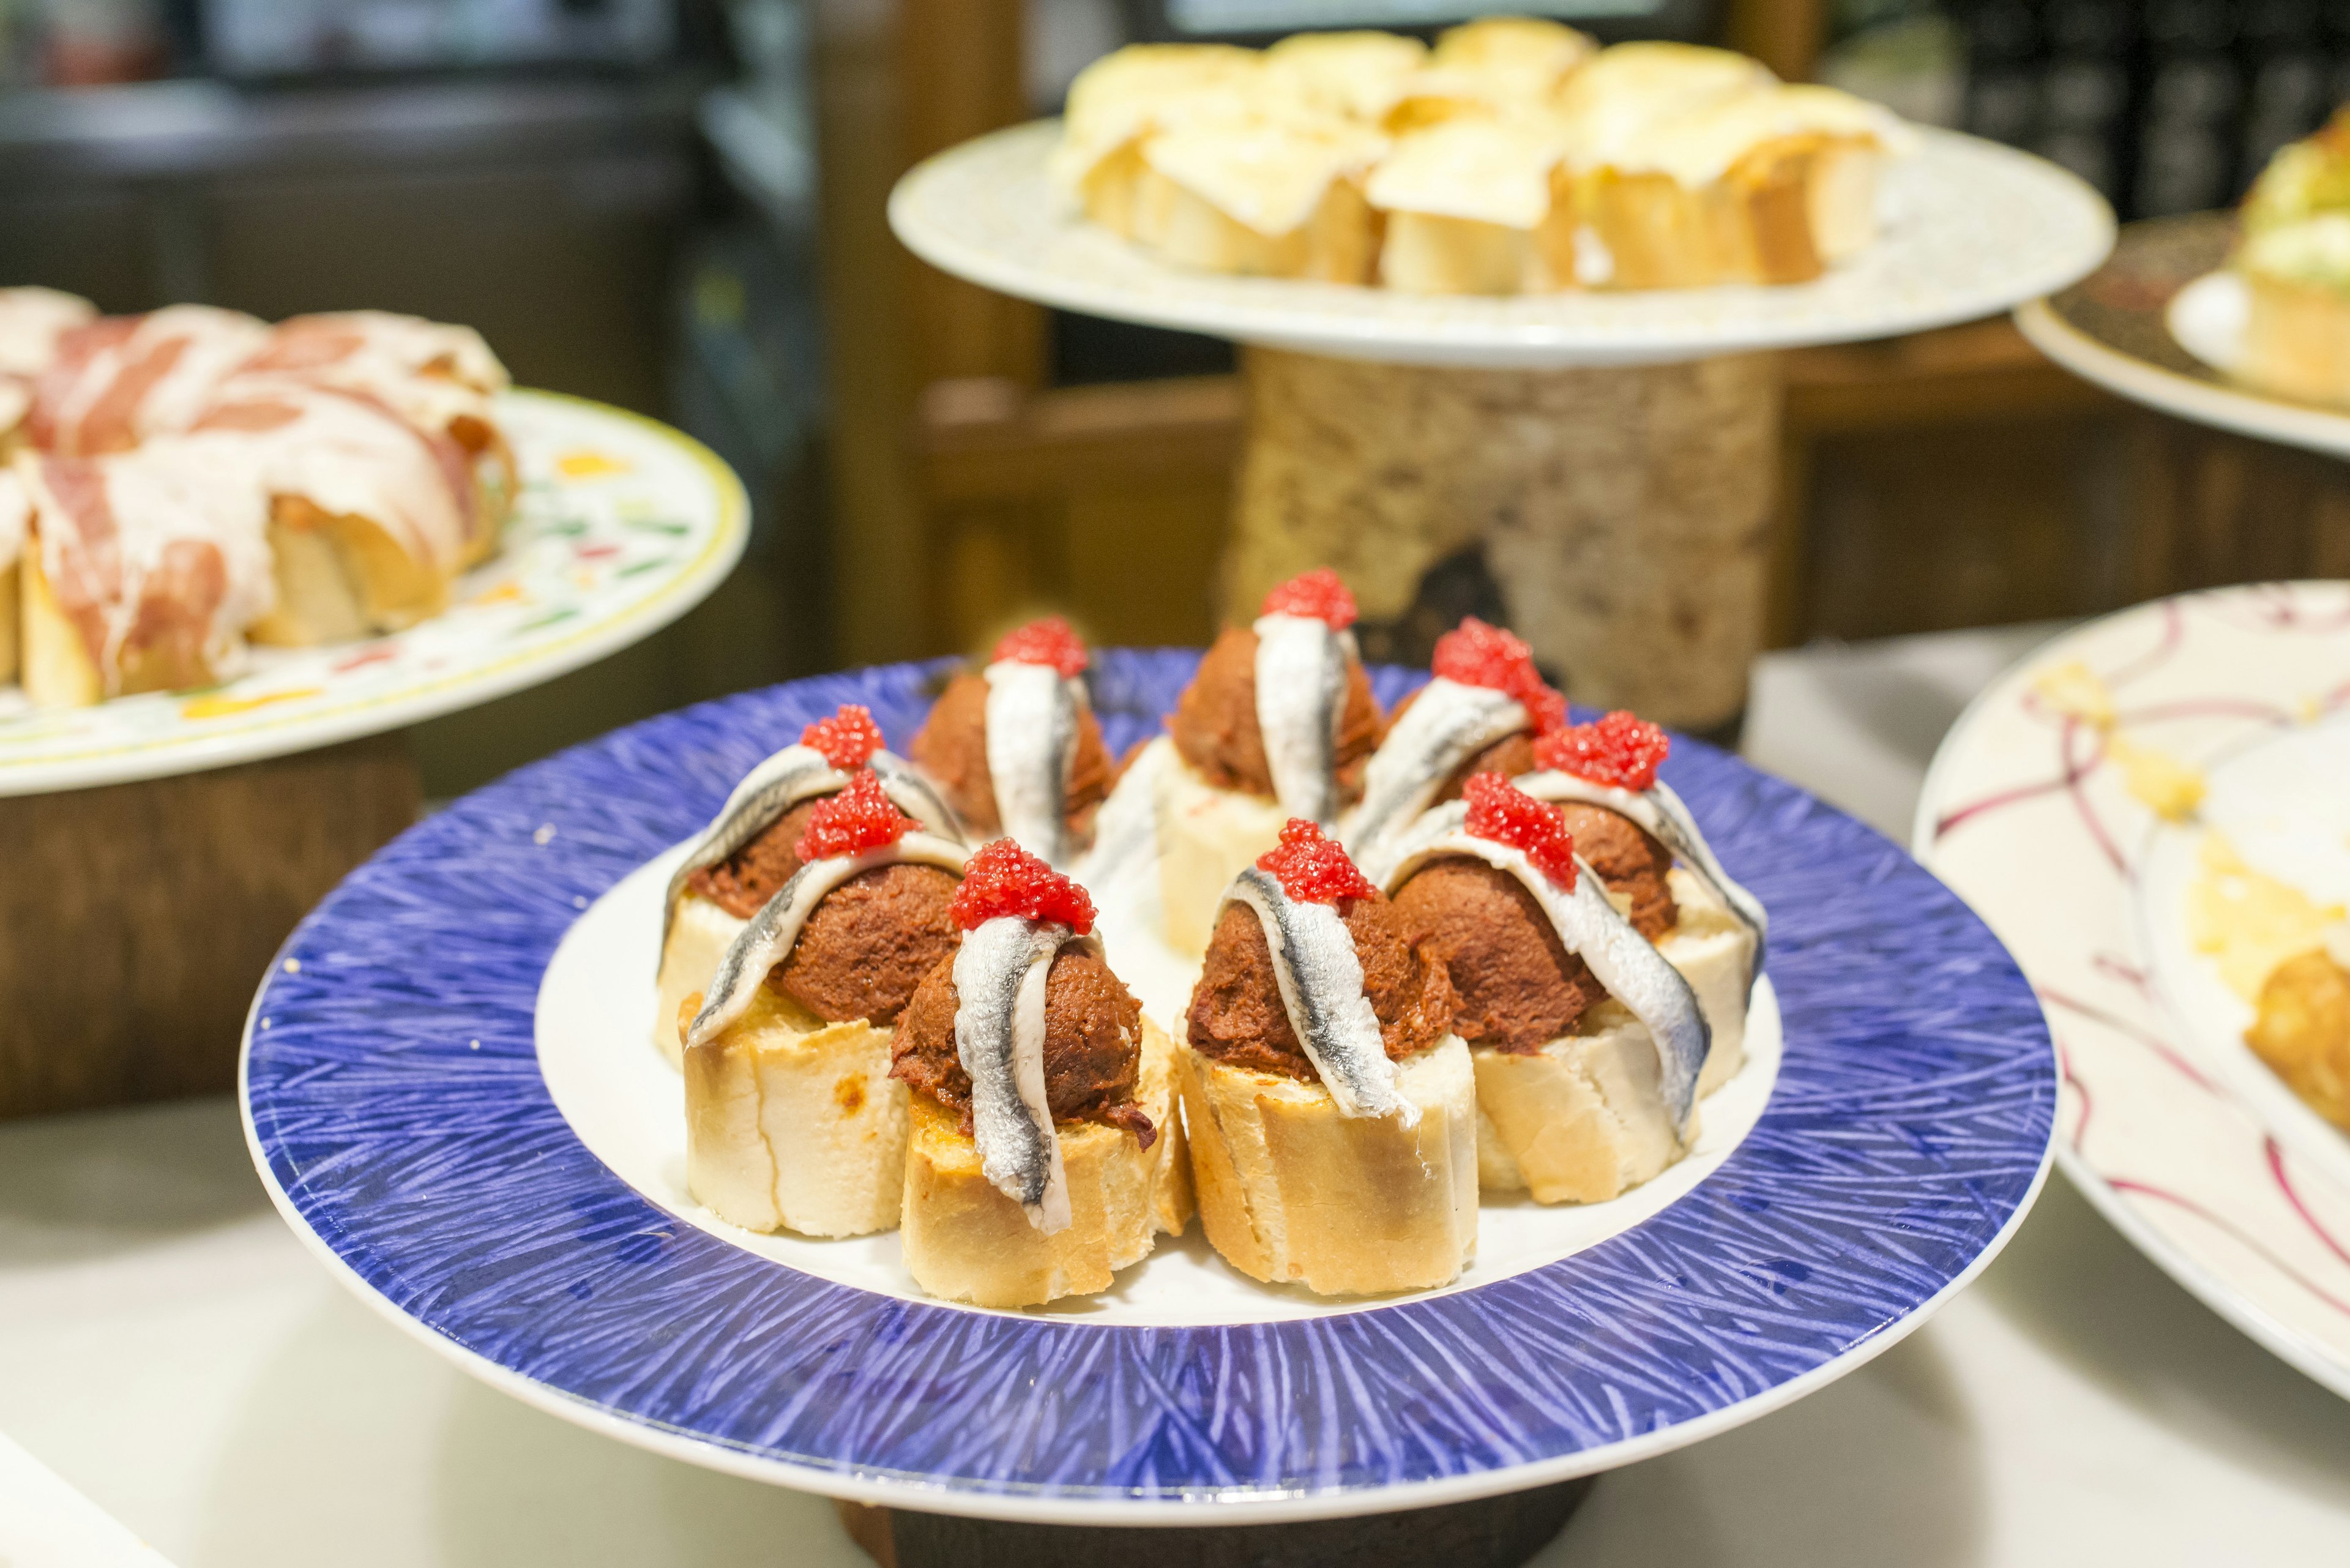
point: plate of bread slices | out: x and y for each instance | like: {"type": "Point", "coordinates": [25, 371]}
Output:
{"type": "Point", "coordinates": [2150, 811]}
{"type": "Point", "coordinates": [1511, 195]}
{"type": "Point", "coordinates": [222, 539]}
{"type": "Point", "coordinates": [1091, 1084]}
{"type": "Point", "coordinates": [2237, 319]}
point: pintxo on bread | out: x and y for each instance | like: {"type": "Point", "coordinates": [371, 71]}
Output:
{"type": "Point", "coordinates": [792, 1122]}
{"type": "Point", "coordinates": [1331, 1109]}
{"type": "Point", "coordinates": [1516, 157]}
{"type": "Point", "coordinates": [750, 850]}
{"type": "Point", "coordinates": [1015, 747]}
{"type": "Point", "coordinates": [1277, 724]}
{"type": "Point", "coordinates": [1587, 1043]}
{"type": "Point", "coordinates": [194, 478]}
{"type": "Point", "coordinates": [1046, 1153]}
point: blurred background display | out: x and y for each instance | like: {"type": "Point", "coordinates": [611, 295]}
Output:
{"type": "Point", "coordinates": [676, 206]}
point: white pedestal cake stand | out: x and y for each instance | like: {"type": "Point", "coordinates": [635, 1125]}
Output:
{"type": "Point", "coordinates": [1605, 458]}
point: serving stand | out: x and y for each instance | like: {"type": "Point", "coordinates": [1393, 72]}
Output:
{"type": "Point", "coordinates": [157, 849]}
{"type": "Point", "coordinates": [1598, 468]}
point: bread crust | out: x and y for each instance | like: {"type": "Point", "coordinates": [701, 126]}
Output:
{"type": "Point", "coordinates": [966, 1242]}
{"type": "Point", "coordinates": [699, 932]}
{"type": "Point", "coordinates": [1206, 836]}
{"type": "Point", "coordinates": [1580, 1120]}
{"type": "Point", "coordinates": [1290, 1191]}
{"type": "Point", "coordinates": [1715, 953]}
{"type": "Point", "coordinates": [57, 668]}
{"type": "Point", "coordinates": [792, 1124]}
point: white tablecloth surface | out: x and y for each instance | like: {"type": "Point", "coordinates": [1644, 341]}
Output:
{"type": "Point", "coordinates": [167, 1348]}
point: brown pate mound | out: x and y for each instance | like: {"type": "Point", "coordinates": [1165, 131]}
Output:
{"type": "Point", "coordinates": [1236, 1013]}
{"type": "Point", "coordinates": [743, 882]}
{"type": "Point", "coordinates": [1630, 860]}
{"type": "Point", "coordinates": [1516, 985]}
{"type": "Point", "coordinates": [868, 943]}
{"type": "Point", "coordinates": [1093, 1044]}
{"type": "Point", "coordinates": [951, 747]}
{"type": "Point", "coordinates": [1214, 724]}
{"type": "Point", "coordinates": [1511, 755]}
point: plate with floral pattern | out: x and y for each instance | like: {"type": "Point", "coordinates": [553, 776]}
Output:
{"type": "Point", "coordinates": [620, 525]}
{"type": "Point", "coordinates": [425, 1097]}
{"type": "Point", "coordinates": [2151, 811]}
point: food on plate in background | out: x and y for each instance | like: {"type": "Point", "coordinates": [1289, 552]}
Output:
{"type": "Point", "coordinates": [2295, 257]}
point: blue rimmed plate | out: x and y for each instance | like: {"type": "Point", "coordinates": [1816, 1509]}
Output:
{"type": "Point", "coordinates": [397, 1082]}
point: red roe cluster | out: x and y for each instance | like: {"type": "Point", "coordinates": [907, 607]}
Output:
{"type": "Point", "coordinates": [1501, 812]}
{"type": "Point", "coordinates": [1046, 641]}
{"type": "Point", "coordinates": [1476, 654]}
{"type": "Point", "coordinates": [1004, 879]}
{"type": "Point", "coordinates": [848, 740]}
{"type": "Point", "coordinates": [1617, 750]}
{"type": "Point", "coordinates": [1312, 869]}
{"type": "Point", "coordinates": [859, 818]}
{"type": "Point", "coordinates": [1317, 594]}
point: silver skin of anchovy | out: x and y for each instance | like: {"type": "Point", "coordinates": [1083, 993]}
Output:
{"type": "Point", "coordinates": [1032, 747]}
{"type": "Point", "coordinates": [1589, 927]}
{"type": "Point", "coordinates": [1000, 974]}
{"type": "Point", "coordinates": [1320, 980]}
{"type": "Point", "coordinates": [1301, 697]}
{"type": "Point", "coordinates": [1660, 812]}
{"type": "Point", "coordinates": [1447, 724]}
{"type": "Point", "coordinates": [767, 939]}
{"type": "Point", "coordinates": [795, 773]}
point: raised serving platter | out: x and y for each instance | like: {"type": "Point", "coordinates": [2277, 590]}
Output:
{"type": "Point", "coordinates": [2060, 806]}
{"type": "Point", "coordinates": [452, 1091]}
{"type": "Point", "coordinates": [621, 525]}
{"type": "Point", "coordinates": [1970, 228]}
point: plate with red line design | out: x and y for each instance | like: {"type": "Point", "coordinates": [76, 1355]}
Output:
{"type": "Point", "coordinates": [2150, 812]}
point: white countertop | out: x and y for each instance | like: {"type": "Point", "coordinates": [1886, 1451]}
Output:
{"type": "Point", "coordinates": [167, 1348]}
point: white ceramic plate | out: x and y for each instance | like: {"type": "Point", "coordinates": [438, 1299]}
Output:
{"type": "Point", "coordinates": [622, 525]}
{"type": "Point", "coordinates": [1972, 227]}
{"type": "Point", "coordinates": [2037, 810]}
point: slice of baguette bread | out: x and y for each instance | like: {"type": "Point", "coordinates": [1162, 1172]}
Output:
{"type": "Point", "coordinates": [1578, 1120]}
{"type": "Point", "coordinates": [1289, 1190]}
{"type": "Point", "coordinates": [1715, 953]}
{"type": "Point", "coordinates": [341, 577]}
{"type": "Point", "coordinates": [1206, 838]}
{"type": "Point", "coordinates": [794, 1124]}
{"type": "Point", "coordinates": [1468, 208]}
{"type": "Point", "coordinates": [966, 1242]}
{"type": "Point", "coordinates": [699, 932]}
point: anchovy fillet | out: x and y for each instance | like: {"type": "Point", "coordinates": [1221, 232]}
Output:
{"type": "Point", "coordinates": [1301, 697]}
{"type": "Point", "coordinates": [766, 941]}
{"type": "Point", "coordinates": [1588, 926]}
{"type": "Point", "coordinates": [1320, 980]}
{"type": "Point", "coordinates": [1032, 747]}
{"type": "Point", "coordinates": [1662, 813]}
{"type": "Point", "coordinates": [780, 782]}
{"type": "Point", "coordinates": [999, 974]}
{"type": "Point", "coordinates": [1446, 725]}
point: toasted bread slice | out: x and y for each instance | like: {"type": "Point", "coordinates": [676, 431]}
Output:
{"type": "Point", "coordinates": [1206, 838]}
{"type": "Point", "coordinates": [966, 1242]}
{"type": "Point", "coordinates": [1578, 1120]}
{"type": "Point", "coordinates": [1289, 1190]}
{"type": "Point", "coordinates": [795, 1124]}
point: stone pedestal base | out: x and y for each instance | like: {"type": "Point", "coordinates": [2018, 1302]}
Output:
{"type": "Point", "coordinates": [1617, 518]}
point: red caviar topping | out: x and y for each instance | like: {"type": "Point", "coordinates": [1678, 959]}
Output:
{"type": "Point", "coordinates": [1317, 594]}
{"type": "Point", "coordinates": [1004, 879]}
{"type": "Point", "coordinates": [1046, 641]}
{"type": "Point", "coordinates": [1312, 869]}
{"type": "Point", "coordinates": [848, 740]}
{"type": "Point", "coordinates": [1501, 812]}
{"type": "Point", "coordinates": [859, 818]}
{"type": "Point", "coordinates": [1476, 654]}
{"type": "Point", "coordinates": [1618, 749]}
